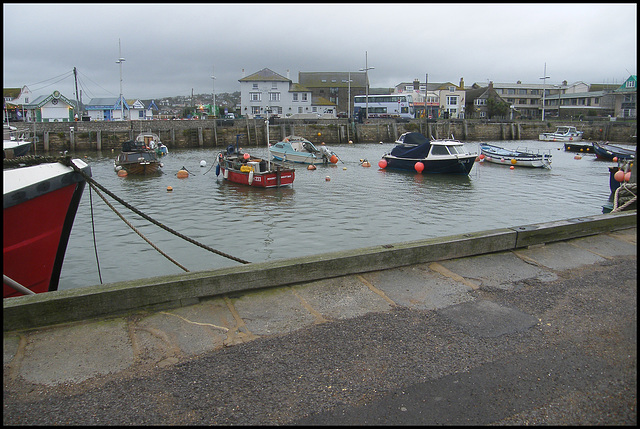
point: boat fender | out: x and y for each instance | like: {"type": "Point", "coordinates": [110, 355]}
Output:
{"type": "Point", "coordinates": [251, 176]}
{"type": "Point", "coordinates": [217, 170]}
{"type": "Point", "coordinates": [225, 173]}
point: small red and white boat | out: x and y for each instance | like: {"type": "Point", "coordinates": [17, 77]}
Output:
{"type": "Point", "coordinates": [242, 168]}
{"type": "Point", "coordinates": [39, 207]}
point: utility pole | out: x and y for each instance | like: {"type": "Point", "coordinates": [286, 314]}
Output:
{"type": "Point", "coordinates": [78, 106]}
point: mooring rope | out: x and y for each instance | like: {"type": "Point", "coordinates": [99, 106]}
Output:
{"type": "Point", "coordinates": [91, 185]}
{"type": "Point", "coordinates": [150, 219]}
{"type": "Point", "coordinates": [66, 160]}
{"type": "Point", "coordinates": [627, 188]}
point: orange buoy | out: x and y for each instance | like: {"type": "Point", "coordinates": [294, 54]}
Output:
{"type": "Point", "coordinates": [382, 163]}
{"type": "Point", "coordinates": [577, 157]}
{"type": "Point", "coordinates": [122, 173]}
{"type": "Point", "coordinates": [512, 167]}
{"type": "Point", "coordinates": [481, 156]}
{"type": "Point", "coordinates": [366, 164]}
{"type": "Point", "coordinates": [333, 159]}
{"type": "Point", "coordinates": [513, 161]}
{"type": "Point", "coordinates": [319, 134]}
{"type": "Point", "coordinates": [246, 156]}
{"type": "Point", "coordinates": [619, 176]}
{"type": "Point", "coordinates": [615, 159]}
{"type": "Point", "coordinates": [169, 189]}
{"type": "Point", "coordinates": [327, 178]}
{"type": "Point", "coordinates": [419, 166]}
{"type": "Point", "coordinates": [182, 174]}
{"type": "Point", "coordinates": [311, 167]}
{"type": "Point", "coordinates": [627, 176]}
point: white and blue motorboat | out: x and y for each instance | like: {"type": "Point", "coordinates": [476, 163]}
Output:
{"type": "Point", "coordinates": [415, 152]}
{"type": "Point", "coordinates": [300, 150]}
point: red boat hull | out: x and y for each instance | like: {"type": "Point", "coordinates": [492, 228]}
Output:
{"type": "Point", "coordinates": [36, 233]}
{"type": "Point", "coordinates": [272, 179]}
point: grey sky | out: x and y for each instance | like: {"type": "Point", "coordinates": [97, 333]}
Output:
{"type": "Point", "coordinates": [170, 49]}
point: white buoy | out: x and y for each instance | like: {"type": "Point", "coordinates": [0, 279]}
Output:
{"type": "Point", "coordinates": [203, 163]}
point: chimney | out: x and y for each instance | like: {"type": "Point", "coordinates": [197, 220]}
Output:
{"type": "Point", "coordinates": [461, 83]}
{"type": "Point", "coordinates": [288, 74]}
{"type": "Point", "coordinates": [416, 84]}
{"type": "Point", "coordinates": [243, 73]}
{"type": "Point", "coordinates": [490, 84]}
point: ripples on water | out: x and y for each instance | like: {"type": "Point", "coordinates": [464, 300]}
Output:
{"type": "Point", "coordinates": [357, 207]}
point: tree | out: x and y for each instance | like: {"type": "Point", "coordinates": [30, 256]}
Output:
{"type": "Point", "coordinates": [497, 108]}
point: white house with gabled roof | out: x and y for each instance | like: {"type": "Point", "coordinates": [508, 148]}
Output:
{"type": "Point", "coordinates": [267, 91]}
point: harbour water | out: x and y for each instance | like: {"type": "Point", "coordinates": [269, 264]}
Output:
{"type": "Point", "coordinates": [335, 207]}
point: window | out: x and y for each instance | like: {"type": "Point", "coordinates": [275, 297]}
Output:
{"type": "Point", "coordinates": [522, 101]}
{"type": "Point", "coordinates": [534, 92]}
{"type": "Point", "coordinates": [439, 150]}
{"type": "Point", "coordinates": [254, 96]}
{"type": "Point", "coordinates": [255, 86]}
{"type": "Point", "coordinates": [274, 96]}
{"type": "Point", "coordinates": [408, 88]}
{"type": "Point", "coordinates": [452, 89]}
{"type": "Point", "coordinates": [299, 109]}
{"type": "Point", "coordinates": [452, 101]}
{"type": "Point", "coordinates": [480, 102]}
{"type": "Point", "coordinates": [304, 96]}
{"type": "Point", "coordinates": [140, 114]}
{"type": "Point", "coordinates": [522, 91]}
{"type": "Point", "coordinates": [295, 96]}
{"type": "Point", "coordinates": [631, 84]}
{"type": "Point", "coordinates": [314, 109]}
{"type": "Point", "coordinates": [511, 91]}
{"type": "Point", "coordinates": [255, 110]}
{"type": "Point", "coordinates": [274, 85]}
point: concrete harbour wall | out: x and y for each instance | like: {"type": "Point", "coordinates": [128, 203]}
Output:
{"type": "Point", "coordinates": [27, 312]}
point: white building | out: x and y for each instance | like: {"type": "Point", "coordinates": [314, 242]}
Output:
{"type": "Point", "coordinates": [54, 107]}
{"type": "Point", "coordinates": [267, 91]}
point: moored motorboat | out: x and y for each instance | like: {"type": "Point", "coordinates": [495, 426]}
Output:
{"type": "Point", "coordinates": [415, 152]}
{"type": "Point", "coordinates": [139, 156]}
{"type": "Point", "coordinates": [519, 158]}
{"type": "Point", "coordinates": [562, 134]}
{"type": "Point", "coordinates": [240, 167]}
{"type": "Point", "coordinates": [300, 150]}
{"type": "Point", "coordinates": [39, 207]}
{"type": "Point", "coordinates": [609, 151]}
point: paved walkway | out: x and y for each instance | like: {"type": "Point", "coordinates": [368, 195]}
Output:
{"type": "Point", "coordinates": [543, 335]}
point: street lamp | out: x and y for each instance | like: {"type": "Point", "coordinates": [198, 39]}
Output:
{"type": "Point", "coordinates": [544, 82]}
{"type": "Point", "coordinates": [213, 94]}
{"type": "Point", "coordinates": [366, 79]}
{"type": "Point", "coordinates": [120, 61]}
{"type": "Point", "coordinates": [349, 99]}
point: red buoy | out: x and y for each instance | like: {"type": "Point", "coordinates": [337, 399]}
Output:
{"type": "Point", "coordinates": [333, 159]}
{"type": "Point", "coordinates": [419, 167]}
{"type": "Point", "coordinates": [382, 163]}
{"type": "Point", "coordinates": [619, 176]}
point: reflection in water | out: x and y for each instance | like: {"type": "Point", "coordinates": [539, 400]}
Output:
{"type": "Point", "coordinates": [357, 207]}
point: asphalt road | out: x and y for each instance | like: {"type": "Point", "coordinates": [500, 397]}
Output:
{"type": "Point", "coordinates": [555, 348]}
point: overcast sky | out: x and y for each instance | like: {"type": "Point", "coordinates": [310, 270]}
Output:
{"type": "Point", "coordinates": [172, 49]}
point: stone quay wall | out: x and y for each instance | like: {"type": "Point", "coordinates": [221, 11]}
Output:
{"type": "Point", "coordinates": [97, 136]}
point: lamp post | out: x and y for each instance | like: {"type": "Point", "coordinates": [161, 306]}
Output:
{"type": "Point", "coordinates": [366, 79]}
{"type": "Point", "coordinates": [544, 82]}
{"type": "Point", "coordinates": [213, 93]}
{"type": "Point", "coordinates": [349, 99]}
{"type": "Point", "coordinates": [120, 61]}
